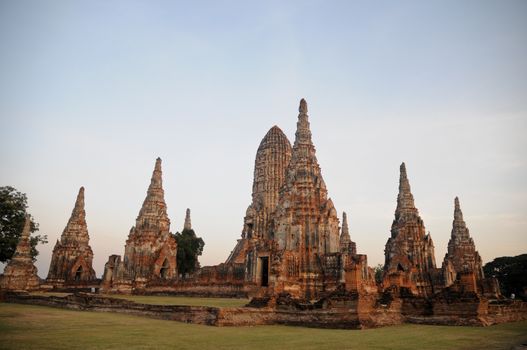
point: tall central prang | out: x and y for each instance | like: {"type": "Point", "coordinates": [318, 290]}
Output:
{"type": "Point", "coordinates": [305, 223]}
{"type": "Point", "coordinates": [305, 220]}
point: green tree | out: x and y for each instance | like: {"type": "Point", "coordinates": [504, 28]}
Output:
{"type": "Point", "coordinates": [13, 206]}
{"type": "Point", "coordinates": [189, 247]}
{"type": "Point", "coordinates": [511, 273]}
{"type": "Point", "coordinates": [379, 270]}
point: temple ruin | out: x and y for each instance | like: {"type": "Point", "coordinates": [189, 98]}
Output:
{"type": "Point", "coordinates": [294, 259]}
{"type": "Point", "coordinates": [150, 250]}
{"type": "Point", "coordinates": [20, 274]}
{"type": "Point", "coordinates": [409, 253]}
{"type": "Point", "coordinates": [71, 262]}
{"type": "Point", "coordinates": [462, 268]}
{"type": "Point", "coordinates": [305, 225]}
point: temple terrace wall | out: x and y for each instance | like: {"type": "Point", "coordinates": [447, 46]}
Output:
{"type": "Point", "coordinates": [353, 316]}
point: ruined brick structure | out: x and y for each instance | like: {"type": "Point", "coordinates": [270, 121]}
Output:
{"type": "Point", "coordinates": [347, 246]}
{"type": "Point", "coordinates": [409, 253]}
{"type": "Point", "coordinates": [239, 275]}
{"type": "Point", "coordinates": [462, 267]}
{"type": "Point", "coordinates": [291, 242]}
{"type": "Point", "coordinates": [272, 158]}
{"type": "Point", "coordinates": [462, 256]}
{"type": "Point", "coordinates": [150, 250]}
{"type": "Point", "coordinates": [355, 274]}
{"type": "Point", "coordinates": [292, 251]}
{"type": "Point", "coordinates": [71, 262]}
{"type": "Point", "coordinates": [293, 259]}
{"type": "Point", "coordinates": [20, 274]}
{"type": "Point", "coordinates": [305, 224]}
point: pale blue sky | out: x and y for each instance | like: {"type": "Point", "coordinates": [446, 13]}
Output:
{"type": "Point", "coordinates": [92, 92]}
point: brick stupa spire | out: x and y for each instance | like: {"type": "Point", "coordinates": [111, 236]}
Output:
{"type": "Point", "coordinates": [461, 256]}
{"type": "Point", "coordinates": [150, 250]}
{"type": "Point", "coordinates": [72, 255]}
{"type": "Point", "coordinates": [305, 188]}
{"type": "Point", "coordinates": [188, 223]}
{"type": "Point", "coordinates": [272, 158]}
{"type": "Point", "coordinates": [76, 231]}
{"type": "Point", "coordinates": [409, 251]}
{"type": "Point", "coordinates": [153, 214]}
{"type": "Point", "coordinates": [306, 222]}
{"type": "Point", "coordinates": [23, 248]}
{"type": "Point", "coordinates": [459, 227]}
{"type": "Point", "coordinates": [405, 199]}
{"type": "Point", "coordinates": [346, 244]}
{"type": "Point", "coordinates": [20, 274]}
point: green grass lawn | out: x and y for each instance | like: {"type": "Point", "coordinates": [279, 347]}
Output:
{"type": "Point", "coordinates": [176, 300]}
{"type": "Point", "coordinates": [39, 327]}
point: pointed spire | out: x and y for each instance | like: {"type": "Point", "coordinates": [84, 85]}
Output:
{"type": "Point", "coordinates": [303, 106]}
{"type": "Point", "coordinates": [26, 231]}
{"type": "Point", "coordinates": [405, 199]}
{"type": "Point", "coordinates": [73, 246]}
{"type": "Point", "coordinates": [303, 199]}
{"type": "Point", "coordinates": [76, 230]}
{"type": "Point", "coordinates": [345, 230]}
{"type": "Point", "coordinates": [402, 170]}
{"type": "Point", "coordinates": [23, 248]}
{"type": "Point", "coordinates": [79, 202]}
{"type": "Point", "coordinates": [188, 224]}
{"type": "Point", "coordinates": [153, 213]}
{"type": "Point", "coordinates": [459, 227]}
{"type": "Point", "coordinates": [461, 253]}
{"type": "Point", "coordinates": [458, 214]}
{"type": "Point", "coordinates": [404, 184]}
{"type": "Point", "coordinates": [156, 182]}
{"type": "Point", "coordinates": [303, 133]}
{"type": "Point", "coordinates": [347, 246]}
{"type": "Point", "coordinates": [20, 273]}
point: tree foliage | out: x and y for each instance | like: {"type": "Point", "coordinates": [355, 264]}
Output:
{"type": "Point", "coordinates": [189, 247]}
{"type": "Point", "coordinates": [511, 273]}
{"type": "Point", "coordinates": [379, 270]}
{"type": "Point", "coordinates": [13, 206]}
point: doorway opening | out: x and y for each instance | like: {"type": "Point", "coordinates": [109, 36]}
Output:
{"type": "Point", "coordinates": [164, 269]}
{"type": "Point", "coordinates": [264, 261]}
{"type": "Point", "coordinates": [78, 274]}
